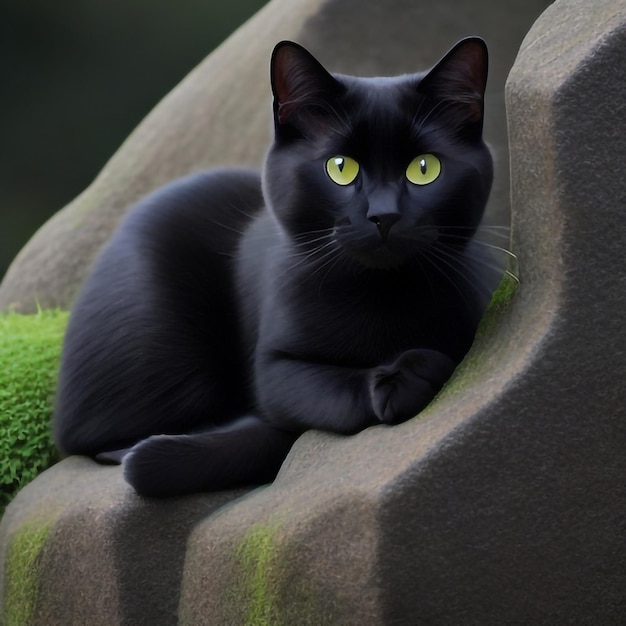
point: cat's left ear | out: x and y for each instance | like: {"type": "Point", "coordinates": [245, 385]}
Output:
{"type": "Point", "coordinates": [300, 84]}
{"type": "Point", "coordinates": [461, 77]}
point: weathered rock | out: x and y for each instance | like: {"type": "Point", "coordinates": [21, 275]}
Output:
{"type": "Point", "coordinates": [78, 546]}
{"type": "Point", "coordinates": [220, 115]}
{"type": "Point", "coordinates": [502, 503]}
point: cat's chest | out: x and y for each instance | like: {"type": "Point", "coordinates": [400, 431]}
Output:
{"type": "Point", "coordinates": [361, 319]}
{"type": "Point", "coordinates": [358, 324]}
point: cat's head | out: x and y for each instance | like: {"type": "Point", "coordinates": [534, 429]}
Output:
{"type": "Point", "coordinates": [381, 167]}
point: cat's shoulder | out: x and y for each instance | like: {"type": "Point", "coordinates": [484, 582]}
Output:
{"type": "Point", "coordinates": [207, 186]}
{"type": "Point", "coordinates": [223, 195]}
{"type": "Point", "coordinates": [209, 209]}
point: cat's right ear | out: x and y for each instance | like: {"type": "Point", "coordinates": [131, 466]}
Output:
{"type": "Point", "coordinates": [302, 87]}
{"type": "Point", "coordinates": [461, 77]}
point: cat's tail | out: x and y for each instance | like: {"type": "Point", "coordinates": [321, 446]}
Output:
{"type": "Point", "coordinates": [246, 451]}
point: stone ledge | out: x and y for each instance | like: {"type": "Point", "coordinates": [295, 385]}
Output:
{"type": "Point", "coordinates": [78, 546]}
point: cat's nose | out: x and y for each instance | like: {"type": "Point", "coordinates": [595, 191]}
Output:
{"type": "Point", "coordinates": [384, 222]}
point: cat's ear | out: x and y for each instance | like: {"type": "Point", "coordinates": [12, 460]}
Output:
{"type": "Point", "coordinates": [461, 77]}
{"type": "Point", "coordinates": [300, 84]}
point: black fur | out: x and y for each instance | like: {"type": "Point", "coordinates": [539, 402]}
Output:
{"type": "Point", "coordinates": [221, 321]}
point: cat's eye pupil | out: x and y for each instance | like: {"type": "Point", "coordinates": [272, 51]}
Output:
{"type": "Point", "coordinates": [342, 170]}
{"type": "Point", "coordinates": [423, 169]}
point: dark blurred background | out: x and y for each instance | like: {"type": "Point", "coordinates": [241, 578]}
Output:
{"type": "Point", "coordinates": [75, 80]}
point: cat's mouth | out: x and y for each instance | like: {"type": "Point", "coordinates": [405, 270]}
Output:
{"type": "Point", "coordinates": [384, 251]}
{"type": "Point", "coordinates": [382, 254]}
{"type": "Point", "coordinates": [384, 257]}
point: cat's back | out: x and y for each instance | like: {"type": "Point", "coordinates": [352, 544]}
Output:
{"type": "Point", "coordinates": [213, 206]}
{"type": "Point", "coordinates": [171, 246]}
{"type": "Point", "coordinates": [160, 292]}
{"type": "Point", "coordinates": [182, 226]}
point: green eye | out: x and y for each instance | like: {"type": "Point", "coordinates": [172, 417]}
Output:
{"type": "Point", "coordinates": [424, 169]}
{"type": "Point", "coordinates": [342, 169]}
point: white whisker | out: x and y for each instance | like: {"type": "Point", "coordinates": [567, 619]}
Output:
{"type": "Point", "coordinates": [485, 244]}
{"type": "Point", "coordinates": [440, 265]}
{"type": "Point", "coordinates": [331, 264]}
{"type": "Point", "coordinates": [318, 256]}
{"type": "Point", "coordinates": [468, 272]}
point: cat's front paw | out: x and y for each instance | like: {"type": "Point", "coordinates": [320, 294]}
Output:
{"type": "Point", "coordinates": [402, 389]}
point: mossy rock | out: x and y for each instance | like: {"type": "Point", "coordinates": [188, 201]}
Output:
{"type": "Point", "coordinates": [30, 350]}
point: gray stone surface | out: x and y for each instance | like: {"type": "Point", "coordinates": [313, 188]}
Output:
{"type": "Point", "coordinates": [503, 503]}
{"type": "Point", "coordinates": [103, 555]}
{"type": "Point", "coordinates": [220, 115]}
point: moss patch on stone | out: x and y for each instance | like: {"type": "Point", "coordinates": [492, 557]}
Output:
{"type": "Point", "coordinates": [266, 593]}
{"type": "Point", "coordinates": [257, 558]}
{"type": "Point", "coordinates": [22, 572]}
{"type": "Point", "coordinates": [500, 302]}
{"type": "Point", "coordinates": [30, 351]}
{"type": "Point", "coordinates": [465, 374]}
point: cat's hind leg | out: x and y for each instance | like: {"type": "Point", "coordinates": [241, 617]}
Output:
{"type": "Point", "coordinates": [243, 452]}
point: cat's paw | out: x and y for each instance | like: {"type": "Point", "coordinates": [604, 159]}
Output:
{"type": "Point", "coordinates": [402, 389]}
{"type": "Point", "coordinates": [242, 452]}
{"type": "Point", "coordinates": [156, 467]}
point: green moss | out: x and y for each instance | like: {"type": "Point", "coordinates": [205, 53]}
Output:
{"type": "Point", "coordinates": [500, 302]}
{"type": "Point", "coordinates": [266, 594]}
{"type": "Point", "coordinates": [22, 577]}
{"type": "Point", "coordinates": [30, 349]}
{"type": "Point", "coordinates": [465, 374]}
{"type": "Point", "coordinates": [257, 558]}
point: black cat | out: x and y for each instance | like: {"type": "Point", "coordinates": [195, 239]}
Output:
{"type": "Point", "coordinates": [231, 311]}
